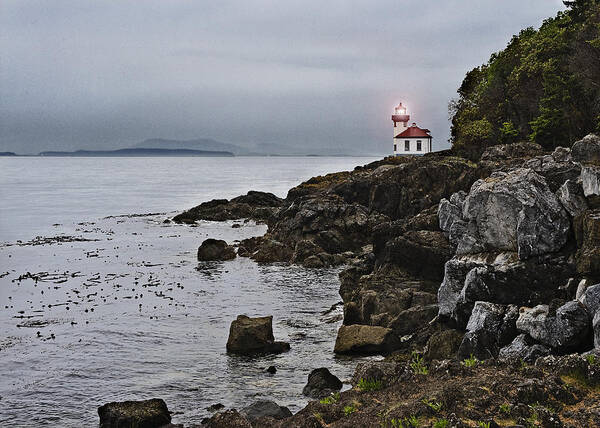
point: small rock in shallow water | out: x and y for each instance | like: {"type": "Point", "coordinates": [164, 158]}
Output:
{"type": "Point", "coordinates": [321, 383]}
{"type": "Point", "coordinates": [215, 407]}
{"type": "Point", "coordinates": [271, 369]}
{"type": "Point", "coordinates": [215, 250]}
{"type": "Point", "coordinates": [263, 408]}
{"type": "Point", "coordinates": [144, 414]}
{"type": "Point", "coordinates": [253, 335]}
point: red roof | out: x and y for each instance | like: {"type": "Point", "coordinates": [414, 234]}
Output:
{"type": "Point", "coordinates": [414, 132]}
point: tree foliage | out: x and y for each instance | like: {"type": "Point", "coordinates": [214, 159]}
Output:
{"type": "Point", "coordinates": [543, 87]}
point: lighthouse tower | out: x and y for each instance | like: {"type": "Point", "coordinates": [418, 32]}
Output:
{"type": "Point", "coordinates": [409, 140]}
{"type": "Point", "coordinates": [400, 118]}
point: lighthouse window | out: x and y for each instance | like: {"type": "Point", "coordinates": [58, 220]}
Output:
{"type": "Point", "coordinates": [395, 148]}
{"type": "Point", "coordinates": [407, 145]}
{"type": "Point", "coordinates": [418, 145]}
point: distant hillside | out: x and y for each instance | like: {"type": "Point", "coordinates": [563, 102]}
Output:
{"type": "Point", "coordinates": [204, 144]}
{"type": "Point", "coordinates": [141, 152]}
{"type": "Point", "coordinates": [8, 154]}
{"type": "Point", "coordinates": [543, 87]}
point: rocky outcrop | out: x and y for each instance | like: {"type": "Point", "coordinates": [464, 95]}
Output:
{"type": "Point", "coordinates": [587, 234]}
{"type": "Point", "coordinates": [524, 348]}
{"type": "Point", "coordinates": [321, 383]}
{"type": "Point", "coordinates": [514, 211]}
{"type": "Point", "coordinates": [249, 336]}
{"type": "Point", "coordinates": [254, 205]}
{"type": "Point", "coordinates": [567, 328]}
{"type": "Point", "coordinates": [364, 339]}
{"type": "Point", "coordinates": [500, 278]}
{"type": "Point", "coordinates": [590, 180]}
{"type": "Point", "coordinates": [143, 414]}
{"type": "Point", "coordinates": [571, 196]}
{"type": "Point", "coordinates": [490, 327]}
{"type": "Point", "coordinates": [215, 249]}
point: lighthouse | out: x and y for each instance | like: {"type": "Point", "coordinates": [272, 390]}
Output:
{"type": "Point", "coordinates": [409, 140]}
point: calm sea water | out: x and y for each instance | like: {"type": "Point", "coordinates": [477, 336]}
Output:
{"type": "Point", "coordinates": [117, 307]}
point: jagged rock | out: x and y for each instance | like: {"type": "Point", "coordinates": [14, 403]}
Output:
{"type": "Point", "coordinates": [570, 195]}
{"type": "Point", "coordinates": [255, 205]}
{"type": "Point", "coordinates": [267, 251]}
{"type": "Point", "coordinates": [144, 414]}
{"type": "Point", "coordinates": [228, 419]}
{"type": "Point", "coordinates": [490, 327]}
{"type": "Point", "coordinates": [587, 234]}
{"type": "Point", "coordinates": [499, 278]}
{"type": "Point", "coordinates": [215, 249]}
{"type": "Point", "coordinates": [524, 348]}
{"type": "Point", "coordinates": [253, 335]}
{"type": "Point", "coordinates": [443, 345]}
{"type": "Point", "coordinates": [413, 318]}
{"type": "Point", "coordinates": [511, 151]}
{"type": "Point", "coordinates": [587, 150]}
{"type": "Point", "coordinates": [262, 408]}
{"type": "Point", "coordinates": [514, 211]}
{"type": "Point", "coordinates": [450, 211]}
{"type": "Point", "coordinates": [321, 383]}
{"type": "Point", "coordinates": [567, 329]}
{"type": "Point", "coordinates": [364, 339]}
{"type": "Point", "coordinates": [422, 253]}
{"type": "Point", "coordinates": [596, 327]}
{"type": "Point", "coordinates": [556, 168]}
{"type": "Point", "coordinates": [590, 180]}
{"type": "Point", "coordinates": [590, 299]}
{"type": "Point", "coordinates": [305, 249]}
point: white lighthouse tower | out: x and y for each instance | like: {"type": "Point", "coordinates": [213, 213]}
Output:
{"type": "Point", "coordinates": [409, 140]}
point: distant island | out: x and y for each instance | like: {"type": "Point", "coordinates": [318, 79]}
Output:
{"type": "Point", "coordinates": [140, 152]}
{"type": "Point", "coordinates": [8, 154]}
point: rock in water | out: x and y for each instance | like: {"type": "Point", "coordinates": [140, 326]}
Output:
{"type": "Point", "coordinates": [264, 408]}
{"type": "Point", "coordinates": [587, 150]}
{"type": "Point", "coordinates": [253, 335]}
{"type": "Point", "coordinates": [567, 329]}
{"type": "Point", "coordinates": [364, 339]}
{"type": "Point", "coordinates": [134, 414]}
{"type": "Point", "coordinates": [514, 211]}
{"type": "Point", "coordinates": [321, 383]}
{"type": "Point", "coordinates": [215, 249]}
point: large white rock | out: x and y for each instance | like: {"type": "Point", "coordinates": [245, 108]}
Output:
{"type": "Point", "coordinates": [590, 180]}
{"type": "Point", "coordinates": [514, 211]}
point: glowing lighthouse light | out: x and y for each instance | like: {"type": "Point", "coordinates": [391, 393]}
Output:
{"type": "Point", "coordinates": [409, 140]}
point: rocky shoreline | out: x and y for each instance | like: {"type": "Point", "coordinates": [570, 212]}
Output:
{"type": "Point", "coordinates": [475, 279]}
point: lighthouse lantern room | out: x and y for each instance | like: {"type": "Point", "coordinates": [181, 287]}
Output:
{"type": "Point", "coordinates": [409, 140]}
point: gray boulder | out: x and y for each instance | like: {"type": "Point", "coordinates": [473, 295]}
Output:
{"type": "Point", "coordinates": [590, 180]}
{"type": "Point", "coordinates": [587, 150]}
{"type": "Point", "coordinates": [253, 336]}
{"type": "Point", "coordinates": [321, 383]}
{"type": "Point", "coordinates": [590, 299]}
{"type": "Point", "coordinates": [524, 348]}
{"type": "Point", "coordinates": [365, 339]}
{"type": "Point", "coordinates": [215, 249]}
{"type": "Point", "coordinates": [450, 215]}
{"type": "Point", "coordinates": [596, 326]}
{"type": "Point", "coordinates": [571, 196]}
{"type": "Point", "coordinates": [514, 211]}
{"type": "Point", "coordinates": [568, 328]}
{"type": "Point", "coordinates": [262, 408]}
{"type": "Point", "coordinates": [490, 327]}
{"type": "Point", "coordinates": [556, 168]}
{"type": "Point", "coordinates": [499, 278]}
{"type": "Point", "coordinates": [144, 414]}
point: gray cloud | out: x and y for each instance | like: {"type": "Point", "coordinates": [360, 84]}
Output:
{"type": "Point", "coordinates": [95, 74]}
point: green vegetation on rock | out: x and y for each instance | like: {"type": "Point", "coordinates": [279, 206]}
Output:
{"type": "Point", "coordinates": [544, 87]}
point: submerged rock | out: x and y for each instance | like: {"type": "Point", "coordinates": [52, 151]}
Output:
{"type": "Point", "coordinates": [139, 414]}
{"type": "Point", "coordinates": [253, 335]}
{"type": "Point", "coordinates": [364, 339]}
{"type": "Point", "coordinates": [215, 250]}
{"type": "Point", "coordinates": [265, 408]}
{"type": "Point", "coordinates": [321, 383]}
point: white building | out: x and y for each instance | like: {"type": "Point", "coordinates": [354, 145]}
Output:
{"type": "Point", "coordinates": [409, 140]}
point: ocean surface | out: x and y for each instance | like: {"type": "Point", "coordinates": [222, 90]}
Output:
{"type": "Point", "coordinates": [101, 301]}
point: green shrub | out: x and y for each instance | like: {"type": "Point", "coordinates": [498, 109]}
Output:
{"type": "Point", "coordinates": [348, 410]}
{"type": "Point", "coordinates": [440, 423]}
{"type": "Point", "coordinates": [334, 398]}
{"type": "Point", "coordinates": [470, 362]}
{"type": "Point", "coordinates": [369, 385]}
{"type": "Point", "coordinates": [418, 365]}
{"type": "Point", "coordinates": [432, 404]}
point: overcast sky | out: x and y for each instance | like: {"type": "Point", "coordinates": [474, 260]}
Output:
{"type": "Point", "coordinates": [106, 74]}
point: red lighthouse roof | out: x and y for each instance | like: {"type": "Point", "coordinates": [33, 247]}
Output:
{"type": "Point", "coordinates": [414, 132]}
